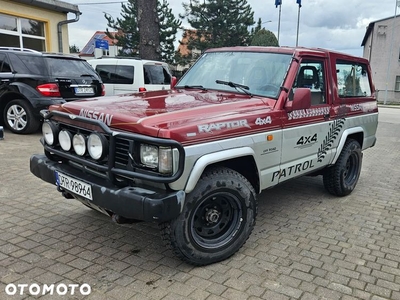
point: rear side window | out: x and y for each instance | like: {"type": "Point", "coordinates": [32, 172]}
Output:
{"type": "Point", "coordinates": [64, 67]}
{"type": "Point", "coordinates": [116, 74]}
{"type": "Point", "coordinates": [352, 79]}
{"type": "Point", "coordinates": [28, 64]}
{"type": "Point", "coordinates": [4, 64]}
{"type": "Point", "coordinates": [156, 74]}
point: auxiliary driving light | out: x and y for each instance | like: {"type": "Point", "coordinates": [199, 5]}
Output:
{"type": "Point", "coordinates": [79, 144]}
{"type": "Point", "coordinates": [97, 146]}
{"type": "Point", "coordinates": [65, 140]}
{"type": "Point", "coordinates": [49, 131]}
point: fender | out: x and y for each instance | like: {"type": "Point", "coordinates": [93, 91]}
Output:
{"type": "Point", "coordinates": [24, 89]}
{"type": "Point", "coordinates": [343, 139]}
{"type": "Point", "coordinates": [212, 158]}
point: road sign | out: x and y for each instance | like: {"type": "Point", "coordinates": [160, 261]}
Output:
{"type": "Point", "coordinates": [102, 44]}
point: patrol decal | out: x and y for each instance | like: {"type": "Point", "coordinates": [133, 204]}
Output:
{"type": "Point", "coordinates": [92, 114]}
{"type": "Point", "coordinates": [223, 125]}
{"type": "Point", "coordinates": [332, 135]}
{"type": "Point", "coordinates": [309, 112]}
{"type": "Point", "coordinates": [263, 121]}
{"type": "Point", "coordinates": [295, 169]}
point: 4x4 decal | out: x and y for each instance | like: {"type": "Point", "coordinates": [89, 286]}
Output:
{"type": "Point", "coordinates": [306, 141]}
{"type": "Point", "coordinates": [333, 133]}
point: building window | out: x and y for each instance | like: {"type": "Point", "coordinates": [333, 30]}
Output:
{"type": "Point", "coordinates": [22, 33]}
{"type": "Point", "coordinates": [397, 84]}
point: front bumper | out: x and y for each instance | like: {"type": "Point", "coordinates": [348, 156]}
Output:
{"type": "Point", "coordinates": [138, 203]}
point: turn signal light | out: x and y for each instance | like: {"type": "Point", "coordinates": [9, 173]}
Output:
{"type": "Point", "coordinates": [142, 89]}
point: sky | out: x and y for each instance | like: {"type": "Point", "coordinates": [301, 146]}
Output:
{"type": "Point", "coordinates": [332, 24]}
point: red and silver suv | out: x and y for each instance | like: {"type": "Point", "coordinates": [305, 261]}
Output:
{"type": "Point", "coordinates": [194, 159]}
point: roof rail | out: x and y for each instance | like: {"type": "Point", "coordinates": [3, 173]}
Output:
{"type": "Point", "coordinates": [19, 49]}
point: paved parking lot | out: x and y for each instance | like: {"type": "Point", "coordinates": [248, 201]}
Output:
{"type": "Point", "coordinates": [307, 244]}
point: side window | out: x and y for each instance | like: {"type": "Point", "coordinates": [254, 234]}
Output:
{"type": "Point", "coordinates": [156, 74]}
{"type": "Point", "coordinates": [4, 64]}
{"type": "Point", "coordinates": [116, 74]}
{"type": "Point", "coordinates": [352, 80]}
{"type": "Point", "coordinates": [311, 75]}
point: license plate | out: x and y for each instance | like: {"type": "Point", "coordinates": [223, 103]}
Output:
{"type": "Point", "coordinates": [84, 90]}
{"type": "Point", "coordinates": [74, 185]}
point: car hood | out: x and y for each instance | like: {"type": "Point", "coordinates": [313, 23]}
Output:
{"type": "Point", "coordinates": [178, 114]}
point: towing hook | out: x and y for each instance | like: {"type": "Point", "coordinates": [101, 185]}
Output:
{"type": "Point", "coordinates": [122, 220]}
{"type": "Point", "coordinates": [64, 193]}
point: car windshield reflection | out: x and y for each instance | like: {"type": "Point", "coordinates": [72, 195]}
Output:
{"type": "Point", "coordinates": [261, 73]}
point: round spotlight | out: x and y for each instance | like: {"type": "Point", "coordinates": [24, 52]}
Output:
{"type": "Point", "coordinates": [65, 140]}
{"type": "Point", "coordinates": [97, 146]}
{"type": "Point", "coordinates": [79, 144]}
{"type": "Point", "coordinates": [49, 131]}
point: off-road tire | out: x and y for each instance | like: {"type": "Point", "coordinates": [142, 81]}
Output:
{"type": "Point", "coordinates": [217, 219]}
{"type": "Point", "coordinates": [19, 118]}
{"type": "Point", "coordinates": [341, 179]}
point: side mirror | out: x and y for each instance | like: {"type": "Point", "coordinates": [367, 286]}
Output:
{"type": "Point", "coordinates": [173, 82]}
{"type": "Point", "coordinates": [301, 100]}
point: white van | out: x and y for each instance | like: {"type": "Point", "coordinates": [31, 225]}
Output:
{"type": "Point", "coordinates": [132, 75]}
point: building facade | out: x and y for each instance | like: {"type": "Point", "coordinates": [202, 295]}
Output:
{"type": "Point", "coordinates": [40, 25]}
{"type": "Point", "coordinates": [381, 44]}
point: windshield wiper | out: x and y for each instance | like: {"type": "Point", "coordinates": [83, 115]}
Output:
{"type": "Point", "coordinates": [200, 87]}
{"type": "Point", "coordinates": [243, 88]}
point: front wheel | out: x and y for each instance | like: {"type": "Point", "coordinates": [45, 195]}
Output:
{"type": "Point", "coordinates": [217, 219]}
{"type": "Point", "coordinates": [341, 178]}
{"type": "Point", "coordinates": [19, 117]}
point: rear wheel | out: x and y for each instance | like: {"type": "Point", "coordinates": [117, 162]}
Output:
{"type": "Point", "coordinates": [19, 117]}
{"type": "Point", "coordinates": [217, 219]}
{"type": "Point", "coordinates": [342, 178]}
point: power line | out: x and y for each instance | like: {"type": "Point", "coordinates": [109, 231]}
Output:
{"type": "Point", "coordinates": [109, 2]}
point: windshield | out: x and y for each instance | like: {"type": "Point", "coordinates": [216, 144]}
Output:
{"type": "Point", "coordinates": [262, 73]}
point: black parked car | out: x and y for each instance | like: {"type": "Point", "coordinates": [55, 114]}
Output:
{"type": "Point", "coordinates": [32, 81]}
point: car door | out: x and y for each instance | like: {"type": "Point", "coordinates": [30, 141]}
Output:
{"type": "Point", "coordinates": [306, 131]}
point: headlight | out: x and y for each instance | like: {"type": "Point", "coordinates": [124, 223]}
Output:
{"type": "Point", "coordinates": [97, 146]}
{"type": "Point", "coordinates": [79, 144]}
{"type": "Point", "coordinates": [157, 158]}
{"type": "Point", "coordinates": [65, 140]}
{"type": "Point", "coordinates": [149, 155]}
{"type": "Point", "coordinates": [49, 131]}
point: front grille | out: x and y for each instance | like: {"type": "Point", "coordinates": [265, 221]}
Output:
{"type": "Point", "coordinates": [122, 149]}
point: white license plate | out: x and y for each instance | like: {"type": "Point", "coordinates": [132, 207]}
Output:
{"type": "Point", "coordinates": [74, 185]}
{"type": "Point", "coordinates": [84, 90]}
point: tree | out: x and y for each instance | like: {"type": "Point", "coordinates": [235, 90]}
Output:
{"type": "Point", "coordinates": [169, 26]}
{"type": "Point", "coordinates": [149, 29]}
{"type": "Point", "coordinates": [126, 29]}
{"type": "Point", "coordinates": [131, 36]}
{"type": "Point", "coordinates": [218, 23]}
{"type": "Point", "coordinates": [264, 37]}
{"type": "Point", "coordinates": [257, 28]}
{"type": "Point", "coordinates": [74, 49]}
